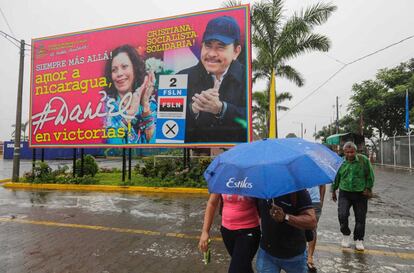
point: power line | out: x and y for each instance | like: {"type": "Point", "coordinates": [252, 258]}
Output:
{"type": "Point", "coordinates": [11, 39]}
{"type": "Point", "coordinates": [335, 59]}
{"type": "Point", "coordinates": [315, 90]}
{"type": "Point", "coordinates": [13, 42]}
{"type": "Point", "coordinates": [382, 49]}
{"type": "Point", "coordinates": [17, 40]}
{"type": "Point", "coordinates": [7, 23]}
{"type": "Point", "coordinates": [8, 35]}
{"type": "Point", "coordinates": [342, 68]}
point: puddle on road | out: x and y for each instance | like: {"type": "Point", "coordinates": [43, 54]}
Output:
{"type": "Point", "coordinates": [390, 222]}
{"type": "Point", "coordinates": [14, 216]}
{"type": "Point", "coordinates": [388, 241]}
{"type": "Point", "coordinates": [184, 251]}
{"type": "Point", "coordinates": [354, 264]}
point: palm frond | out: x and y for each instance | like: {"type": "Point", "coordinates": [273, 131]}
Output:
{"type": "Point", "coordinates": [318, 13]}
{"type": "Point", "coordinates": [290, 73]}
{"type": "Point", "coordinates": [231, 3]}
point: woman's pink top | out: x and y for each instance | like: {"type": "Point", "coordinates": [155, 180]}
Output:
{"type": "Point", "coordinates": [239, 212]}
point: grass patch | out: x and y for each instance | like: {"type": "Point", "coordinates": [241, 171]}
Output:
{"type": "Point", "coordinates": [165, 173]}
{"type": "Point", "coordinates": [115, 179]}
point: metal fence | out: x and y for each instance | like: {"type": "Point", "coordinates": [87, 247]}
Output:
{"type": "Point", "coordinates": [396, 151]}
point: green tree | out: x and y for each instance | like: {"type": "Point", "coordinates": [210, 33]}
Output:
{"type": "Point", "coordinates": [277, 39]}
{"type": "Point", "coordinates": [378, 106]}
{"type": "Point", "coordinates": [368, 104]}
{"type": "Point", "coordinates": [398, 80]}
{"type": "Point", "coordinates": [347, 124]}
{"type": "Point", "coordinates": [325, 132]}
{"type": "Point", "coordinates": [381, 102]}
{"type": "Point", "coordinates": [291, 135]}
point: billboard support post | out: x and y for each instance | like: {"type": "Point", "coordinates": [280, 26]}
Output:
{"type": "Point", "coordinates": [185, 157]}
{"type": "Point", "coordinates": [16, 153]}
{"type": "Point", "coordinates": [188, 157]}
{"type": "Point", "coordinates": [82, 162]}
{"type": "Point", "coordinates": [123, 164]}
{"type": "Point", "coordinates": [394, 149]}
{"type": "Point", "coordinates": [129, 163]}
{"type": "Point", "coordinates": [409, 148]}
{"type": "Point", "coordinates": [33, 161]}
{"type": "Point", "coordinates": [74, 163]}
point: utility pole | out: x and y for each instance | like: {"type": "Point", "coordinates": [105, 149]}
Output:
{"type": "Point", "coordinates": [301, 130]}
{"type": "Point", "coordinates": [16, 152]}
{"type": "Point", "coordinates": [337, 116]}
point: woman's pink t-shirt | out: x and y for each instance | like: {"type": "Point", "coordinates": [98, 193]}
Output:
{"type": "Point", "coordinates": [239, 212]}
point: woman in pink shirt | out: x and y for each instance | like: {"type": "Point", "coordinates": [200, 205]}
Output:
{"type": "Point", "coordinates": [239, 228]}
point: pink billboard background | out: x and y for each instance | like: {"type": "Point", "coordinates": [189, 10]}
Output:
{"type": "Point", "coordinates": [72, 118]}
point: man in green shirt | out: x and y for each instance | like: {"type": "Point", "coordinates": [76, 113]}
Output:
{"type": "Point", "coordinates": [355, 179]}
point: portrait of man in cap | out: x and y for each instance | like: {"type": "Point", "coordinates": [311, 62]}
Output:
{"type": "Point", "coordinates": [216, 98]}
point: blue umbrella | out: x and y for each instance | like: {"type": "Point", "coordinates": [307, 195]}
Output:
{"type": "Point", "coordinates": [272, 167]}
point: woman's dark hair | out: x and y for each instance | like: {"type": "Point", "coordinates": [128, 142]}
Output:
{"type": "Point", "coordinates": [138, 66]}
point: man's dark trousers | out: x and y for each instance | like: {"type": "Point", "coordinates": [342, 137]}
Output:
{"type": "Point", "coordinates": [359, 203]}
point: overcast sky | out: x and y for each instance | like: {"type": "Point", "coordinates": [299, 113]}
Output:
{"type": "Point", "coordinates": [357, 28]}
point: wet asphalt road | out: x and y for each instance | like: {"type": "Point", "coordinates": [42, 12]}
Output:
{"type": "Point", "coordinates": [112, 232]}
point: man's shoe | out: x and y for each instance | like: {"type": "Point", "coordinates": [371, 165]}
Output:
{"type": "Point", "coordinates": [311, 267]}
{"type": "Point", "coordinates": [345, 241]}
{"type": "Point", "coordinates": [359, 245]}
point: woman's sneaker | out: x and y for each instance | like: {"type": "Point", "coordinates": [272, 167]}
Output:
{"type": "Point", "coordinates": [345, 241]}
{"type": "Point", "coordinates": [359, 245]}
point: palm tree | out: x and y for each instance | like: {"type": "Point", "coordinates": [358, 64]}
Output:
{"type": "Point", "coordinates": [23, 128]}
{"type": "Point", "coordinates": [277, 39]}
{"type": "Point", "coordinates": [260, 109]}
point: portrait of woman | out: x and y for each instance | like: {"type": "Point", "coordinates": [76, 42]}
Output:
{"type": "Point", "coordinates": [130, 91]}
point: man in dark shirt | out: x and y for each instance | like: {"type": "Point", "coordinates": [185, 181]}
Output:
{"type": "Point", "coordinates": [216, 97]}
{"type": "Point", "coordinates": [283, 243]}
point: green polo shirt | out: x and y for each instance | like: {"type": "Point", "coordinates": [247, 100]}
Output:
{"type": "Point", "coordinates": [354, 176]}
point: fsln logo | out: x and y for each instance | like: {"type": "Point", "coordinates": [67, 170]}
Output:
{"type": "Point", "coordinates": [171, 104]}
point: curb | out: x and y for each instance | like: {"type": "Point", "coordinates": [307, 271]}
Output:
{"type": "Point", "coordinates": [394, 166]}
{"type": "Point", "coordinates": [5, 180]}
{"type": "Point", "coordinates": [71, 187]}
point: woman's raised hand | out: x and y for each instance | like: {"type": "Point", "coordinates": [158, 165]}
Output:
{"type": "Point", "coordinates": [136, 98]}
{"type": "Point", "coordinates": [147, 91]}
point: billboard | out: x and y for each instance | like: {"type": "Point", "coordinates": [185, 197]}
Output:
{"type": "Point", "coordinates": [182, 81]}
